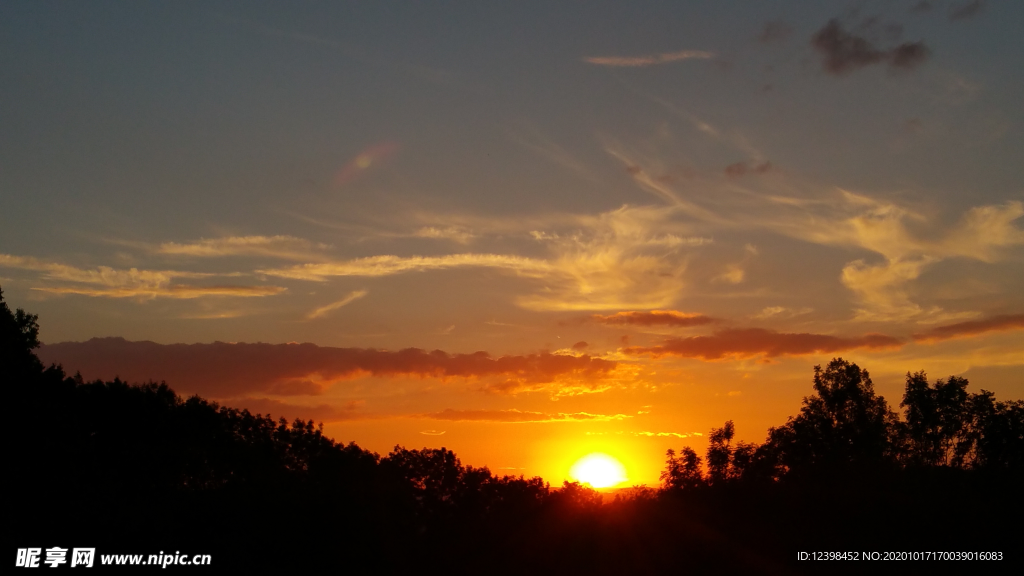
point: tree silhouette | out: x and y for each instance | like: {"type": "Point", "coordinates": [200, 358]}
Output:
{"type": "Point", "coordinates": [844, 425]}
{"type": "Point", "coordinates": [576, 496]}
{"type": "Point", "coordinates": [682, 472]}
{"type": "Point", "coordinates": [939, 421]}
{"type": "Point", "coordinates": [998, 433]}
{"type": "Point", "coordinates": [719, 454]}
{"type": "Point", "coordinates": [947, 426]}
{"type": "Point", "coordinates": [19, 336]}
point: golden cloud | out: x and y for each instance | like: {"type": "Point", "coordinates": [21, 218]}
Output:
{"type": "Point", "coordinates": [288, 247]}
{"type": "Point", "coordinates": [348, 299]}
{"type": "Point", "coordinates": [388, 265]}
{"type": "Point", "coordinates": [181, 291]}
{"type": "Point", "coordinates": [131, 283]}
{"type": "Point", "coordinates": [620, 259]}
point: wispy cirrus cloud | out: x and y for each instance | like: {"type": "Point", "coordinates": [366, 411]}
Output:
{"type": "Point", "coordinates": [454, 233]}
{"type": "Point", "coordinates": [179, 291]}
{"type": "Point", "coordinates": [348, 299]}
{"type": "Point", "coordinates": [519, 416]}
{"type": "Point", "coordinates": [1002, 322]}
{"type": "Point", "coordinates": [650, 59]}
{"type": "Point", "coordinates": [104, 281]}
{"type": "Point", "coordinates": [981, 234]}
{"type": "Point", "coordinates": [892, 231]}
{"type": "Point", "coordinates": [907, 240]}
{"type": "Point", "coordinates": [781, 312]}
{"type": "Point", "coordinates": [388, 265]}
{"type": "Point", "coordinates": [632, 257]}
{"type": "Point", "coordinates": [666, 434]}
{"type": "Point", "coordinates": [750, 342]}
{"type": "Point", "coordinates": [286, 247]}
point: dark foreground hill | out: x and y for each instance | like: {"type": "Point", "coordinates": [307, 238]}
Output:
{"type": "Point", "coordinates": [136, 469]}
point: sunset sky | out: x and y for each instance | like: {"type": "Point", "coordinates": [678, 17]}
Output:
{"type": "Point", "coordinates": [525, 231]}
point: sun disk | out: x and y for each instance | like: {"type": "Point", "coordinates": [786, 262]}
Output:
{"type": "Point", "coordinates": [599, 470]}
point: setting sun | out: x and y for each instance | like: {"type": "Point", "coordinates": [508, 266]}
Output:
{"type": "Point", "coordinates": [599, 470]}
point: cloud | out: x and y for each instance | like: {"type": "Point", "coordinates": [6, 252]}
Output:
{"type": "Point", "coordinates": [984, 230]}
{"type": "Point", "coordinates": [626, 258]}
{"type": "Point", "coordinates": [880, 287]}
{"type": "Point", "coordinates": [447, 233]}
{"type": "Point", "coordinates": [980, 234]}
{"type": "Point", "coordinates": [653, 318]}
{"type": "Point", "coordinates": [649, 60]}
{"type": "Point", "coordinates": [348, 299]}
{"type": "Point", "coordinates": [287, 247]}
{"type": "Point", "coordinates": [180, 291]}
{"type": "Point", "coordinates": [907, 240]}
{"type": "Point", "coordinates": [102, 275]}
{"type": "Point", "coordinates": [966, 10]}
{"type": "Point", "coordinates": [388, 265]}
{"type": "Point", "coordinates": [781, 312]}
{"type": "Point", "coordinates": [844, 52]}
{"type": "Point", "coordinates": [519, 416]}
{"type": "Point", "coordinates": [748, 342]}
{"type": "Point", "coordinates": [632, 257]}
{"type": "Point", "coordinates": [433, 432]}
{"type": "Point", "coordinates": [534, 139]}
{"type": "Point", "coordinates": [892, 231]}
{"type": "Point", "coordinates": [663, 434]}
{"type": "Point", "coordinates": [733, 274]}
{"type": "Point", "coordinates": [225, 370]}
{"type": "Point", "coordinates": [972, 328]}
{"type": "Point", "coordinates": [908, 55]}
{"type": "Point", "coordinates": [108, 282]}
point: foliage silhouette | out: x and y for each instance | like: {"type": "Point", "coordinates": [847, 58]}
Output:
{"type": "Point", "coordinates": [682, 472]}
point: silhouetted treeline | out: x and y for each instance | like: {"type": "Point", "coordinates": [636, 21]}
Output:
{"type": "Point", "coordinates": [845, 428]}
{"type": "Point", "coordinates": [135, 468]}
